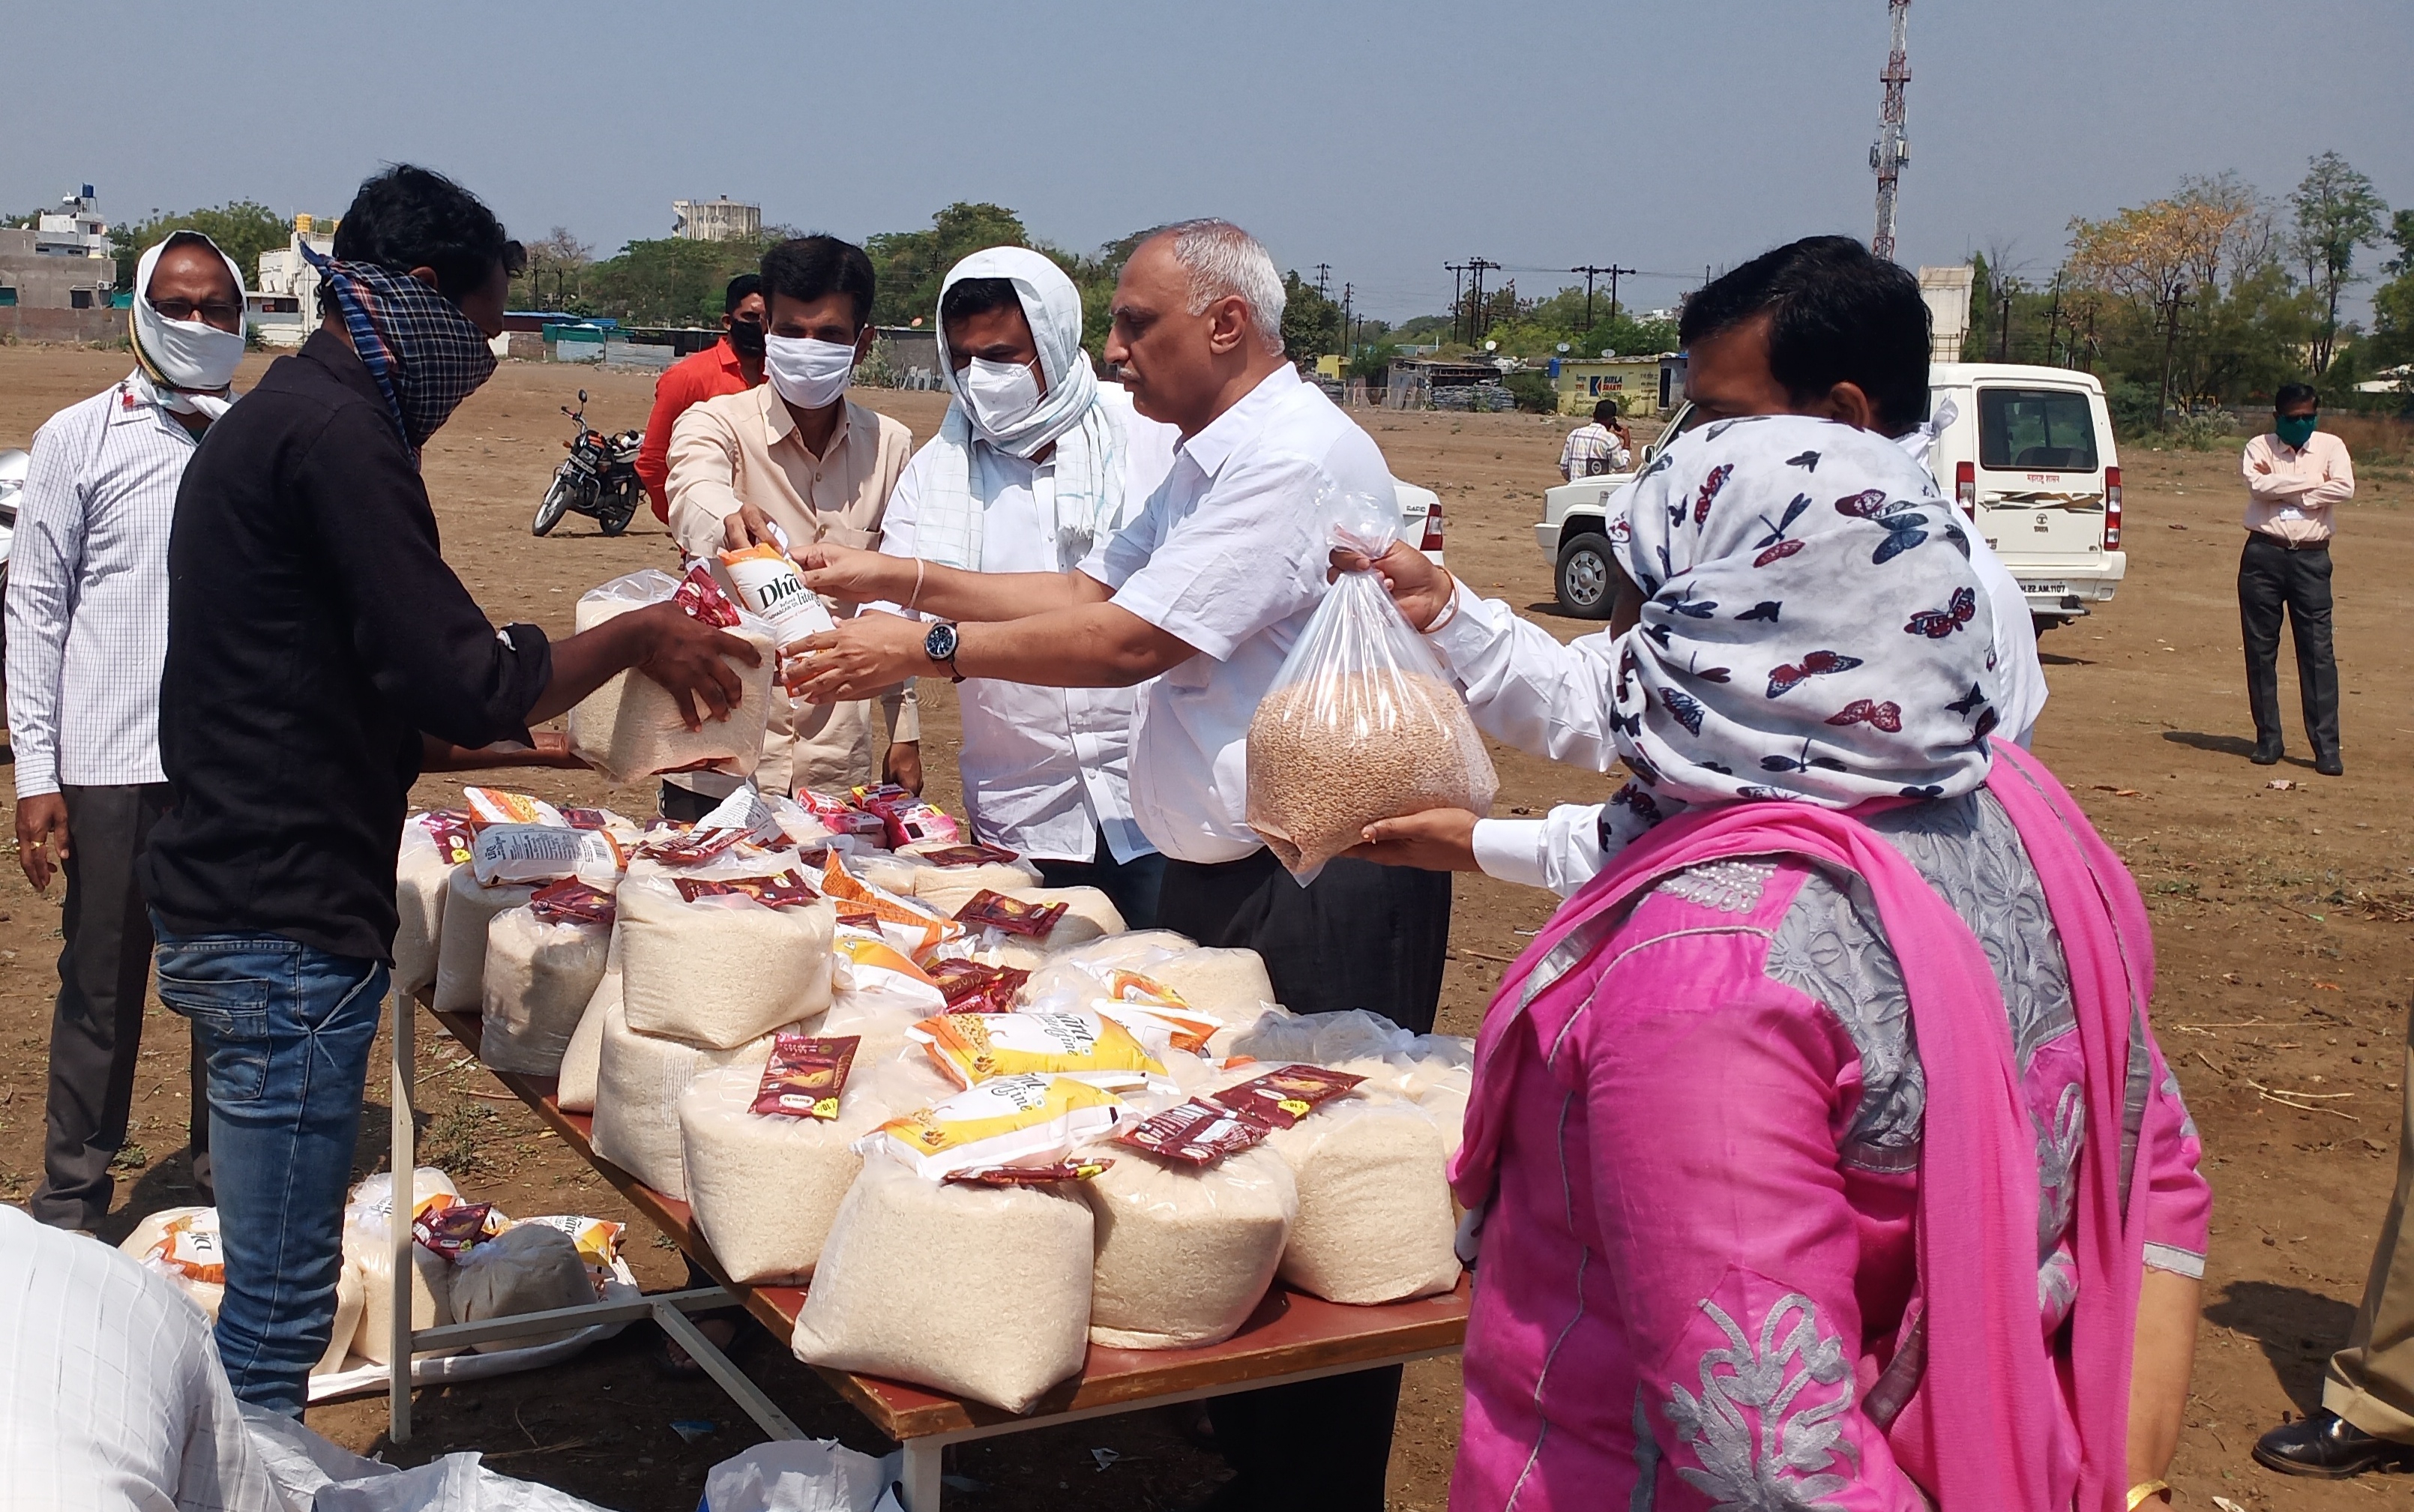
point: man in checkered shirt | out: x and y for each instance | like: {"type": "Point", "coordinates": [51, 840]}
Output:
{"type": "Point", "coordinates": [1598, 448]}
{"type": "Point", "coordinates": [87, 617]}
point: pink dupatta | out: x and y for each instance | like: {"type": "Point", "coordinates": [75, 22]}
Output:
{"type": "Point", "coordinates": [1986, 1406]}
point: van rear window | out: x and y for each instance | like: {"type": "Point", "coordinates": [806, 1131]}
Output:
{"type": "Point", "coordinates": [2039, 430]}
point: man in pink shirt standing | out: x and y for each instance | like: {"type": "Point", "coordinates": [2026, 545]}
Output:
{"type": "Point", "coordinates": [2294, 474]}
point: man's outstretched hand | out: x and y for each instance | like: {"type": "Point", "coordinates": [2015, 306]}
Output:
{"type": "Point", "coordinates": [1414, 581]}
{"type": "Point", "coordinates": [688, 657]}
{"type": "Point", "coordinates": [1437, 839]}
{"type": "Point", "coordinates": [865, 655]}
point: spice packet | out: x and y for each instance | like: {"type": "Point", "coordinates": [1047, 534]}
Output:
{"type": "Point", "coordinates": [908, 820]}
{"type": "Point", "coordinates": [991, 909]}
{"type": "Point", "coordinates": [971, 1048]}
{"type": "Point", "coordinates": [493, 805]}
{"type": "Point", "coordinates": [689, 847]}
{"type": "Point", "coordinates": [974, 987]}
{"type": "Point", "coordinates": [455, 837]}
{"type": "Point", "coordinates": [1080, 1168]}
{"type": "Point", "coordinates": [978, 854]}
{"type": "Point", "coordinates": [1196, 1133]}
{"type": "Point", "coordinates": [702, 599]}
{"type": "Point", "coordinates": [805, 1075]}
{"type": "Point", "coordinates": [1282, 1097]}
{"type": "Point", "coordinates": [572, 901]}
{"type": "Point", "coordinates": [587, 818]}
{"type": "Point", "coordinates": [785, 890]}
{"type": "Point", "coordinates": [453, 1228]}
{"type": "Point", "coordinates": [1008, 1120]}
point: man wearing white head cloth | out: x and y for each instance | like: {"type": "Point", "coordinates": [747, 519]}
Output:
{"type": "Point", "coordinates": [1036, 463]}
{"type": "Point", "coordinates": [87, 615]}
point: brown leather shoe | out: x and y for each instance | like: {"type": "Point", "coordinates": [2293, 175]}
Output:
{"type": "Point", "coordinates": [2325, 1445]}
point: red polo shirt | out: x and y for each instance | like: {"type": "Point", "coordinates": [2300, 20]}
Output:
{"type": "Point", "coordinates": [705, 375]}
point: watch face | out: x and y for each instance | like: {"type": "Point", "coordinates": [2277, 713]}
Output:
{"type": "Point", "coordinates": [940, 645]}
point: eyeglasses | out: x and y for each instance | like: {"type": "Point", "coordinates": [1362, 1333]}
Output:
{"type": "Point", "coordinates": [216, 311]}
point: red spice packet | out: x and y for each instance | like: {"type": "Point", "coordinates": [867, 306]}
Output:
{"type": "Point", "coordinates": [1281, 1098]}
{"type": "Point", "coordinates": [787, 890]}
{"type": "Point", "coordinates": [906, 819]}
{"type": "Point", "coordinates": [689, 847]}
{"type": "Point", "coordinates": [805, 1075]}
{"type": "Point", "coordinates": [1196, 1133]}
{"type": "Point", "coordinates": [972, 987]}
{"type": "Point", "coordinates": [993, 910]}
{"type": "Point", "coordinates": [456, 837]}
{"type": "Point", "coordinates": [978, 854]}
{"type": "Point", "coordinates": [1078, 1169]}
{"type": "Point", "coordinates": [702, 600]}
{"type": "Point", "coordinates": [587, 818]}
{"type": "Point", "coordinates": [451, 1230]}
{"type": "Point", "coordinates": [572, 901]}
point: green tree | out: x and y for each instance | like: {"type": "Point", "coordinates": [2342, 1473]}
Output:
{"type": "Point", "coordinates": [909, 266]}
{"type": "Point", "coordinates": [555, 278]}
{"type": "Point", "coordinates": [2337, 210]}
{"type": "Point", "coordinates": [1311, 323]}
{"type": "Point", "coordinates": [243, 230]}
{"type": "Point", "coordinates": [667, 280]}
{"type": "Point", "coordinates": [2392, 303]}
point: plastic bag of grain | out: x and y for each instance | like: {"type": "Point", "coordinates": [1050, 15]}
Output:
{"type": "Point", "coordinates": [946, 876]}
{"type": "Point", "coordinates": [721, 970]}
{"type": "Point", "coordinates": [540, 976]}
{"type": "Point", "coordinates": [434, 846]}
{"type": "Point", "coordinates": [575, 1088]}
{"type": "Point", "coordinates": [638, 1079]}
{"type": "Point", "coordinates": [1374, 1220]}
{"type": "Point", "coordinates": [351, 1297]}
{"type": "Point", "coordinates": [181, 1243]}
{"type": "Point", "coordinates": [1185, 1252]}
{"type": "Point", "coordinates": [630, 727]}
{"type": "Point", "coordinates": [765, 1187]}
{"type": "Point", "coordinates": [1232, 985]}
{"type": "Point", "coordinates": [1089, 914]}
{"type": "Point", "coordinates": [368, 1248]}
{"type": "Point", "coordinates": [461, 960]}
{"type": "Point", "coordinates": [1361, 722]}
{"type": "Point", "coordinates": [528, 1268]}
{"type": "Point", "coordinates": [980, 1291]}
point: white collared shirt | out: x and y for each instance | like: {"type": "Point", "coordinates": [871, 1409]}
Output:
{"type": "Point", "coordinates": [87, 603]}
{"type": "Point", "coordinates": [1228, 556]}
{"type": "Point", "coordinates": [1045, 770]}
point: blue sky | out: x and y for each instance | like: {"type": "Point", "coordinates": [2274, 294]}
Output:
{"type": "Point", "coordinates": [1384, 139]}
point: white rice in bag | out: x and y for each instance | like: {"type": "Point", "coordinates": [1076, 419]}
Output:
{"type": "Point", "coordinates": [638, 1079]}
{"type": "Point", "coordinates": [723, 971]}
{"type": "Point", "coordinates": [575, 1088]}
{"type": "Point", "coordinates": [1232, 984]}
{"type": "Point", "coordinates": [538, 980]}
{"type": "Point", "coordinates": [1185, 1253]}
{"type": "Point", "coordinates": [421, 878]}
{"type": "Point", "coordinates": [1374, 1220]}
{"type": "Point", "coordinates": [1089, 914]}
{"type": "Point", "coordinates": [765, 1187]}
{"type": "Point", "coordinates": [529, 1268]}
{"type": "Point", "coordinates": [461, 960]}
{"type": "Point", "coordinates": [982, 1292]}
{"type": "Point", "coordinates": [368, 1248]}
{"type": "Point", "coordinates": [351, 1297]}
{"type": "Point", "coordinates": [630, 728]}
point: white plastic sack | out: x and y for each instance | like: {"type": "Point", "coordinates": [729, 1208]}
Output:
{"type": "Point", "coordinates": [764, 1188]}
{"type": "Point", "coordinates": [421, 878]}
{"type": "Point", "coordinates": [799, 1476]}
{"type": "Point", "coordinates": [351, 1297]}
{"type": "Point", "coordinates": [538, 981]}
{"type": "Point", "coordinates": [630, 728]}
{"type": "Point", "coordinates": [529, 1268]}
{"type": "Point", "coordinates": [638, 1079]}
{"type": "Point", "coordinates": [1374, 1220]}
{"type": "Point", "coordinates": [371, 1253]}
{"type": "Point", "coordinates": [461, 960]}
{"type": "Point", "coordinates": [983, 1292]}
{"type": "Point", "coordinates": [1229, 984]}
{"type": "Point", "coordinates": [1184, 1253]}
{"type": "Point", "coordinates": [575, 1088]}
{"type": "Point", "coordinates": [722, 971]}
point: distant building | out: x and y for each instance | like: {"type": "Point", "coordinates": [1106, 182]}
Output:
{"type": "Point", "coordinates": [1947, 291]}
{"type": "Point", "coordinates": [75, 230]}
{"type": "Point", "coordinates": [284, 303]}
{"type": "Point", "coordinates": [58, 279]}
{"type": "Point", "coordinates": [721, 219]}
{"type": "Point", "coordinates": [1636, 382]}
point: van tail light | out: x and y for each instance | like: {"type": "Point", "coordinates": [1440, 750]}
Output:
{"type": "Point", "coordinates": [1433, 530]}
{"type": "Point", "coordinates": [2111, 508]}
{"type": "Point", "coordinates": [1965, 487]}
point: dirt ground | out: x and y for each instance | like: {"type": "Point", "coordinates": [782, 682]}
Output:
{"type": "Point", "coordinates": [2280, 916]}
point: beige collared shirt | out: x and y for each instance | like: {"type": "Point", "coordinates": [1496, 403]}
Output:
{"type": "Point", "coordinates": [743, 448]}
{"type": "Point", "coordinates": [2289, 493]}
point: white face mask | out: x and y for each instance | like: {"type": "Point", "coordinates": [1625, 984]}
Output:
{"type": "Point", "coordinates": [1002, 394]}
{"type": "Point", "coordinates": [808, 373]}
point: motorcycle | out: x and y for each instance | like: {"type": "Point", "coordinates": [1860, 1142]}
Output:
{"type": "Point", "coordinates": [598, 478]}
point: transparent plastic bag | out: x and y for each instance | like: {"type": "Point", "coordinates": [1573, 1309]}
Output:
{"type": "Point", "coordinates": [630, 728]}
{"type": "Point", "coordinates": [1361, 722]}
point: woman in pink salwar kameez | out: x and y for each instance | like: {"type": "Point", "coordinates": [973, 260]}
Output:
{"type": "Point", "coordinates": [1820, 1146]}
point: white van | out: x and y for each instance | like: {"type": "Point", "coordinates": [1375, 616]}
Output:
{"type": "Point", "coordinates": [2028, 455]}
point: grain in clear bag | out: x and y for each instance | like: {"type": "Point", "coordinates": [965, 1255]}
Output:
{"type": "Point", "coordinates": [1361, 722]}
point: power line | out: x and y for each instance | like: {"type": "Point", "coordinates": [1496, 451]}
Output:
{"type": "Point", "coordinates": [1613, 272]}
{"type": "Point", "coordinates": [1324, 279]}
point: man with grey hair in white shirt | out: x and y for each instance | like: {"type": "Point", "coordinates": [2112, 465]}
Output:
{"type": "Point", "coordinates": [87, 615]}
{"type": "Point", "coordinates": [1206, 592]}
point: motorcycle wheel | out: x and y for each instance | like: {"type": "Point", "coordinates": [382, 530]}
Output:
{"type": "Point", "coordinates": [549, 513]}
{"type": "Point", "coordinates": [615, 516]}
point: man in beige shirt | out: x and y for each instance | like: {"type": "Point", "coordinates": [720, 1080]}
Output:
{"type": "Point", "coordinates": [2294, 474]}
{"type": "Point", "coordinates": [796, 452]}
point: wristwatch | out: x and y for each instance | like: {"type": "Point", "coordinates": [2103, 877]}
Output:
{"type": "Point", "coordinates": [940, 646]}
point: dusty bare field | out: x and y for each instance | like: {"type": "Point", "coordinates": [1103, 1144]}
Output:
{"type": "Point", "coordinates": [2281, 919]}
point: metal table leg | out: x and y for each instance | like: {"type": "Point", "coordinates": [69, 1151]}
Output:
{"type": "Point", "coordinates": [405, 1163]}
{"type": "Point", "coordinates": [923, 1460]}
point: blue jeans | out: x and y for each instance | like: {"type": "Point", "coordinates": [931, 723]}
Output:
{"type": "Point", "coordinates": [285, 1032]}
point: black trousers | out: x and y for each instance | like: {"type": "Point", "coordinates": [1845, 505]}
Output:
{"type": "Point", "coordinates": [2271, 577]}
{"type": "Point", "coordinates": [1360, 935]}
{"type": "Point", "coordinates": [96, 1024]}
{"type": "Point", "coordinates": [1132, 885]}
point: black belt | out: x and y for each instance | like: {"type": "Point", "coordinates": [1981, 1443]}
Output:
{"type": "Point", "coordinates": [2289, 545]}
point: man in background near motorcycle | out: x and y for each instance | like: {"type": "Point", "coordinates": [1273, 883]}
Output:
{"type": "Point", "coordinates": [797, 453]}
{"type": "Point", "coordinates": [733, 364]}
{"type": "Point", "coordinates": [87, 613]}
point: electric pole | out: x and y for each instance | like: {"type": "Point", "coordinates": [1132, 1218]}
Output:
{"type": "Point", "coordinates": [1891, 151]}
{"type": "Point", "coordinates": [1457, 275]}
{"type": "Point", "coordinates": [1612, 273]}
{"type": "Point", "coordinates": [1348, 332]}
{"type": "Point", "coordinates": [1324, 279]}
{"type": "Point", "coordinates": [1476, 323]}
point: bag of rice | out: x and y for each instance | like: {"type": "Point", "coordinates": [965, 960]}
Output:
{"type": "Point", "coordinates": [368, 1248]}
{"type": "Point", "coordinates": [434, 846]}
{"type": "Point", "coordinates": [528, 1268]}
{"type": "Point", "coordinates": [983, 1292]}
{"type": "Point", "coordinates": [723, 970]}
{"type": "Point", "coordinates": [539, 978]}
{"type": "Point", "coordinates": [638, 1079]}
{"type": "Point", "coordinates": [763, 1186]}
{"type": "Point", "coordinates": [461, 961]}
{"type": "Point", "coordinates": [630, 728]}
{"type": "Point", "coordinates": [351, 1297]}
{"type": "Point", "coordinates": [948, 876]}
{"type": "Point", "coordinates": [1374, 1221]}
{"type": "Point", "coordinates": [1006, 1121]}
{"type": "Point", "coordinates": [1361, 722]}
{"type": "Point", "coordinates": [181, 1243]}
{"type": "Point", "coordinates": [1185, 1252]}
{"type": "Point", "coordinates": [972, 1048]}
{"type": "Point", "coordinates": [1089, 914]}
{"type": "Point", "coordinates": [575, 1088]}
{"type": "Point", "coordinates": [1229, 984]}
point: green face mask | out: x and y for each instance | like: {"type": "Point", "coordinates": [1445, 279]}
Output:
{"type": "Point", "coordinates": [2296, 430]}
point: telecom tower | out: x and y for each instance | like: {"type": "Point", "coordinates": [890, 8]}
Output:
{"type": "Point", "coordinates": [1890, 152]}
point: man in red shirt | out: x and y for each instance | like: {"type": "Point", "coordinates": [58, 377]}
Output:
{"type": "Point", "coordinates": [733, 364]}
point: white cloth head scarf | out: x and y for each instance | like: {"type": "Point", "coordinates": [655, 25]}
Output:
{"type": "Point", "coordinates": [186, 365]}
{"type": "Point", "coordinates": [1089, 443]}
{"type": "Point", "coordinates": [1815, 630]}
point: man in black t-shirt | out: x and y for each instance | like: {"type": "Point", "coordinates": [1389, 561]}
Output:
{"type": "Point", "coordinates": [318, 648]}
